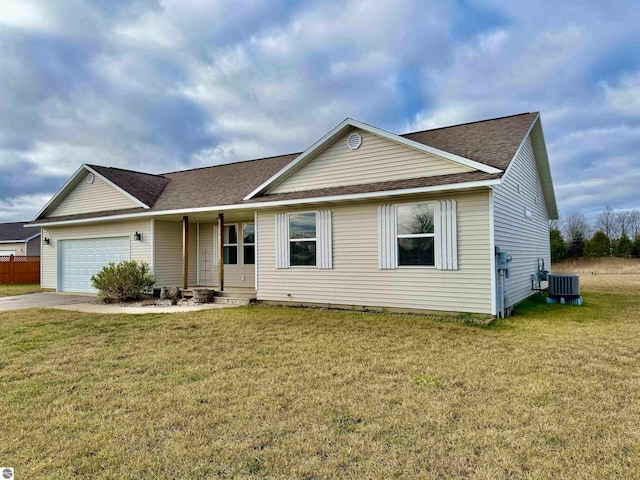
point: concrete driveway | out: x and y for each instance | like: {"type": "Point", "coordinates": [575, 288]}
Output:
{"type": "Point", "coordinates": [42, 300]}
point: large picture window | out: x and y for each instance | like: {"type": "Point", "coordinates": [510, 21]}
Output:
{"type": "Point", "coordinates": [249, 244]}
{"type": "Point", "coordinates": [302, 239]}
{"type": "Point", "coordinates": [416, 235]}
{"type": "Point", "coordinates": [231, 245]}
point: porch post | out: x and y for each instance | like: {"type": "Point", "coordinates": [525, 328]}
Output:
{"type": "Point", "coordinates": [221, 246]}
{"type": "Point", "coordinates": [185, 251]}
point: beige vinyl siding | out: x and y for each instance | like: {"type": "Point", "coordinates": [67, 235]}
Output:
{"type": "Point", "coordinates": [168, 246]}
{"type": "Point", "coordinates": [526, 239]}
{"type": "Point", "coordinates": [377, 160]}
{"type": "Point", "coordinates": [356, 279]}
{"type": "Point", "coordinates": [92, 197]}
{"type": "Point", "coordinates": [13, 247]}
{"type": "Point", "coordinates": [33, 246]}
{"type": "Point", "coordinates": [140, 250]}
{"type": "Point", "coordinates": [208, 271]}
{"type": "Point", "coordinates": [233, 276]}
{"type": "Point", "coordinates": [193, 254]}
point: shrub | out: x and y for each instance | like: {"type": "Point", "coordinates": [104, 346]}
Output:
{"type": "Point", "coordinates": [127, 280]}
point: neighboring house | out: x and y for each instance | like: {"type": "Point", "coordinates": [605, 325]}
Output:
{"type": "Point", "coordinates": [363, 217]}
{"type": "Point", "coordinates": [18, 240]}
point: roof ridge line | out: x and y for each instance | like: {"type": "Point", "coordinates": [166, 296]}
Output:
{"type": "Point", "coordinates": [230, 163]}
{"type": "Point", "coordinates": [126, 170]}
{"type": "Point", "coordinates": [466, 123]}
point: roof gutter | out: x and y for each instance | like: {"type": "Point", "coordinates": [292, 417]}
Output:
{"type": "Point", "coordinates": [277, 203]}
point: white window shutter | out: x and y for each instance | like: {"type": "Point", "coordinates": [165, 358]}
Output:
{"type": "Point", "coordinates": [446, 235]}
{"type": "Point", "coordinates": [324, 243]}
{"type": "Point", "coordinates": [216, 246]}
{"type": "Point", "coordinates": [282, 240]}
{"type": "Point", "coordinates": [387, 230]}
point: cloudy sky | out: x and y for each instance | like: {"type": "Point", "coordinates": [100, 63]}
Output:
{"type": "Point", "coordinates": [164, 85]}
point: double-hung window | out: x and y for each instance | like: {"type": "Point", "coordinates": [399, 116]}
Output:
{"type": "Point", "coordinates": [231, 245]}
{"type": "Point", "coordinates": [416, 235]}
{"type": "Point", "coordinates": [302, 239]}
{"type": "Point", "coordinates": [248, 244]}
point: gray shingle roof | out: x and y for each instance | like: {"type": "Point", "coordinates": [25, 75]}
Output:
{"type": "Point", "coordinates": [16, 231]}
{"type": "Point", "coordinates": [492, 142]}
{"type": "Point", "coordinates": [144, 186]}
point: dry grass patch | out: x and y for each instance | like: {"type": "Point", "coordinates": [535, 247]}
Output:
{"type": "Point", "coordinates": [598, 266]}
{"type": "Point", "coordinates": [292, 393]}
{"type": "Point", "coordinates": [10, 290]}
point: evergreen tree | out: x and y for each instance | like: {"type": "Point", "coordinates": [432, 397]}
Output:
{"type": "Point", "coordinates": [624, 247]}
{"type": "Point", "coordinates": [576, 246]}
{"type": "Point", "coordinates": [598, 246]}
{"type": "Point", "coordinates": [635, 250]}
{"type": "Point", "coordinates": [558, 246]}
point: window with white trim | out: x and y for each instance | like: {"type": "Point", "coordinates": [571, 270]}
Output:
{"type": "Point", "coordinates": [230, 244]}
{"type": "Point", "coordinates": [302, 239]}
{"type": "Point", "coordinates": [248, 244]}
{"type": "Point", "coordinates": [415, 236]}
{"type": "Point", "coordinates": [418, 234]}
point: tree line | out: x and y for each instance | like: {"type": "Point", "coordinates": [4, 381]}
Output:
{"type": "Point", "coordinates": [614, 233]}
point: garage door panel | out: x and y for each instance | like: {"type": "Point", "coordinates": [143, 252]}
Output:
{"type": "Point", "coordinates": [80, 259]}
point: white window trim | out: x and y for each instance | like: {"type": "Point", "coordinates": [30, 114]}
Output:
{"type": "Point", "coordinates": [314, 239]}
{"type": "Point", "coordinates": [416, 235]}
{"type": "Point", "coordinates": [237, 244]}
{"type": "Point", "coordinates": [248, 244]}
{"type": "Point", "coordinates": [445, 236]}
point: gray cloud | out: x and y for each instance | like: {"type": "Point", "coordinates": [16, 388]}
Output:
{"type": "Point", "coordinates": [176, 84]}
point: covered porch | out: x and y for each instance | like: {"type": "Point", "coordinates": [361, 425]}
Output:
{"type": "Point", "coordinates": [206, 250]}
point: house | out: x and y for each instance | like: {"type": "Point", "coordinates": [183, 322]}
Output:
{"type": "Point", "coordinates": [18, 240]}
{"type": "Point", "coordinates": [363, 217]}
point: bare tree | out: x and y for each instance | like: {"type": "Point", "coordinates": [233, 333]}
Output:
{"type": "Point", "coordinates": [606, 221]}
{"type": "Point", "coordinates": [623, 220]}
{"type": "Point", "coordinates": [554, 224]}
{"type": "Point", "coordinates": [575, 223]}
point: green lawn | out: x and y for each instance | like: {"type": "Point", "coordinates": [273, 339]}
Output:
{"type": "Point", "coordinates": [553, 392]}
{"type": "Point", "coordinates": [10, 290]}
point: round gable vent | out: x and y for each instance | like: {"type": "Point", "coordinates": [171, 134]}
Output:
{"type": "Point", "coordinates": [354, 141]}
{"type": "Point", "coordinates": [90, 178]}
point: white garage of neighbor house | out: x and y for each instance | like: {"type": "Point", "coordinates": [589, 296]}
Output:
{"type": "Point", "coordinates": [363, 217]}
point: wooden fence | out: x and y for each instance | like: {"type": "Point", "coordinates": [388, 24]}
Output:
{"type": "Point", "coordinates": [19, 270]}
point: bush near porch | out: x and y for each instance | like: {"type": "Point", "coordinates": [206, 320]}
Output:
{"type": "Point", "coordinates": [124, 281]}
{"type": "Point", "coordinates": [292, 393]}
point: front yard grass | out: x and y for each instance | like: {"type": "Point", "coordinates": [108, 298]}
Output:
{"type": "Point", "coordinates": [553, 392]}
{"type": "Point", "coordinates": [10, 290]}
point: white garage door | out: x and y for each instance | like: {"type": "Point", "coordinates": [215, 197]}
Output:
{"type": "Point", "coordinates": [7, 252]}
{"type": "Point", "coordinates": [79, 259]}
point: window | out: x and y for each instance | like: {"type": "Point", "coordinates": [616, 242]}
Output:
{"type": "Point", "coordinates": [302, 239]}
{"type": "Point", "coordinates": [249, 244]}
{"type": "Point", "coordinates": [416, 235]}
{"type": "Point", "coordinates": [231, 245]}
